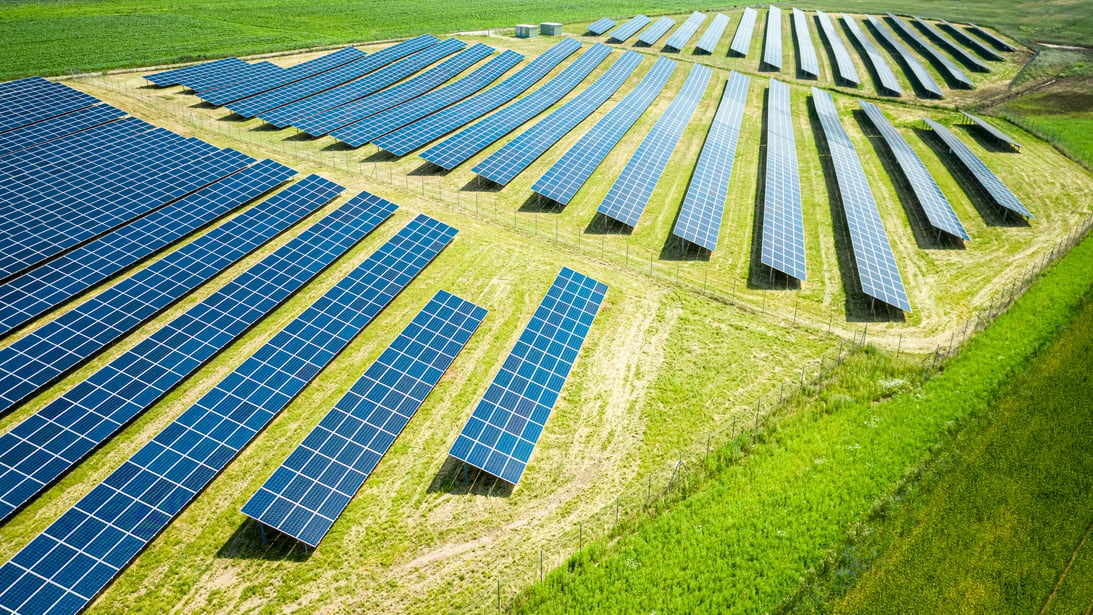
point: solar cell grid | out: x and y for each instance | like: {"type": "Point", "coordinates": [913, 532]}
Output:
{"type": "Point", "coordinates": [990, 37]}
{"type": "Point", "coordinates": [880, 65]}
{"type": "Point", "coordinates": [741, 41]}
{"type": "Point", "coordinates": [16, 85]}
{"type": "Point", "coordinates": [679, 39]}
{"type": "Point", "coordinates": [80, 553]}
{"type": "Point", "coordinates": [656, 31]}
{"type": "Point", "coordinates": [176, 76]}
{"type": "Point", "coordinates": [844, 66]}
{"type": "Point", "coordinates": [250, 87]}
{"type": "Point", "coordinates": [55, 128]}
{"type": "Point", "coordinates": [940, 60]}
{"type": "Point", "coordinates": [628, 29]}
{"type": "Point", "coordinates": [917, 71]}
{"type": "Point", "coordinates": [970, 42]}
{"type": "Point", "coordinates": [601, 25]}
{"type": "Point", "coordinates": [782, 246]}
{"type": "Point", "coordinates": [772, 45]}
{"type": "Point", "coordinates": [207, 82]}
{"type": "Point", "coordinates": [992, 131]}
{"type": "Point", "coordinates": [23, 107]}
{"type": "Point", "coordinates": [806, 51]}
{"type": "Point", "coordinates": [959, 52]}
{"type": "Point", "coordinates": [712, 36]}
{"type": "Point", "coordinates": [71, 147]}
{"type": "Point", "coordinates": [307, 493]}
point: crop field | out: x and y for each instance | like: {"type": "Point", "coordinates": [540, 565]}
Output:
{"type": "Point", "coordinates": [686, 345]}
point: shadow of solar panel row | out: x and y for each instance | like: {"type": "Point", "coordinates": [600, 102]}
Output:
{"type": "Point", "coordinates": [961, 54]}
{"type": "Point", "coordinates": [178, 76]}
{"type": "Point", "coordinates": [888, 81]}
{"type": "Point", "coordinates": [71, 149]}
{"type": "Point", "coordinates": [502, 432]}
{"type": "Point", "coordinates": [35, 103]}
{"type": "Point", "coordinates": [509, 161]}
{"type": "Point", "coordinates": [55, 128]}
{"type": "Point", "coordinates": [989, 128]}
{"type": "Point", "coordinates": [412, 136]}
{"type": "Point", "coordinates": [986, 178]}
{"type": "Point", "coordinates": [741, 41]}
{"type": "Point", "coordinates": [942, 62]}
{"type": "Point", "coordinates": [45, 287]}
{"type": "Point", "coordinates": [65, 566]}
{"type": "Point", "coordinates": [929, 195]}
{"type": "Point", "coordinates": [630, 193]}
{"type": "Point", "coordinates": [332, 119]}
{"type": "Point", "coordinates": [18, 85]}
{"type": "Point", "coordinates": [916, 71]}
{"type": "Point", "coordinates": [772, 45]}
{"type": "Point", "coordinates": [844, 65]}
{"type": "Point", "coordinates": [712, 36]}
{"type": "Point", "coordinates": [679, 39]}
{"type": "Point", "coordinates": [391, 72]}
{"type": "Point", "coordinates": [44, 447]}
{"type": "Point", "coordinates": [384, 122]}
{"type": "Point", "coordinates": [309, 491]}
{"type": "Point", "coordinates": [873, 257]}
{"type": "Point", "coordinates": [806, 51]}
{"type": "Point", "coordinates": [252, 86]}
{"type": "Point", "coordinates": [208, 82]}
{"type": "Point", "coordinates": [970, 42]}
{"type": "Point", "coordinates": [782, 246]}
{"type": "Point", "coordinates": [989, 36]}
{"type": "Point", "coordinates": [34, 361]}
{"type": "Point", "coordinates": [573, 169]}
{"type": "Point", "coordinates": [656, 31]}
{"type": "Point", "coordinates": [699, 220]}
{"type": "Point", "coordinates": [456, 149]}
{"type": "Point", "coordinates": [601, 25]}
{"type": "Point", "coordinates": [628, 29]}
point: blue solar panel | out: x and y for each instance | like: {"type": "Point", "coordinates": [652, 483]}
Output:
{"type": "Point", "coordinates": [986, 178]}
{"type": "Point", "coordinates": [77, 556]}
{"type": "Point", "coordinates": [782, 246]}
{"type": "Point", "coordinates": [507, 162]}
{"type": "Point", "coordinates": [299, 110]}
{"type": "Point", "coordinates": [18, 85]}
{"type": "Point", "coordinates": [965, 39]}
{"type": "Point", "coordinates": [309, 491]}
{"type": "Point", "coordinates": [628, 29]}
{"type": "Point", "coordinates": [505, 426]}
{"type": "Point", "coordinates": [877, 270]}
{"type": "Point", "coordinates": [655, 31]}
{"type": "Point", "coordinates": [917, 71]}
{"type": "Point", "coordinates": [699, 220]}
{"type": "Point", "coordinates": [246, 73]}
{"type": "Point", "coordinates": [34, 361]}
{"type": "Point", "coordinates": [806, 51]}
{"type": "Point", "coordinates": [55, 128]}
{"type": "Point", "coordinates": [601, 25]}
{"type": "Point", "coordinates": [631, 191]}
{"type": "Point", "coordinates": [72, 147]}
{"type": "Point", "coordinates": [996, 134]}
{"type": "Point", "coordinates": [876, 59]}
{"type": "Point", "coordinates": [414, 135]}
{"type": "Point", "coordinates": [988, 36]}
{"type": "Point", "coordinates": [42, 448]}
{"type": "Point", "coordinates": [573, 169]}
{"type": "Point", "coordinates": [712, 36]}
{"type": "Point", "coordinates": [22, 107]}
{"type": "Point", "coordinates": [929, 195]}
{"type": "Point", "coordinates": [741, 41]}
{"type": "Point", "coordinates": [772, 46]}
{"type": "Point", "coordinates": [957, 51]}
{"type": "Point", "coordinates": [679, 39]}
{"type": "Point", "coordinates": [940, 60]}
{"type": "Point", "coordinates": [456, 149]}
{"type": "Point", "coordinates": [250, 87]}
{"type": "Point", "coordinates": [177, 76]}
{"type": "Point", "coordinates": [844, 66]}
{"type": "Point", "coordinates": [359, 133]}
{"type": "Point", "coordinates": [333, 119]}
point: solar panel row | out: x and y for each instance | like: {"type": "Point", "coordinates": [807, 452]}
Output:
{"type": "Point", "coordinates": [971, 43]}
{"type": "Point", "coordinates": [986, 178]}
{"type": "Point", "coordinates": [32, 362]}
{"type": "Point", "coordinates": [628, 29]}
{"type": "Point", "coordinates": [782, 245]}
{"type": "Point", "coordinates": [806, 51]}
{"type": "Point", "coordinates": [772, 45]}
{"type": "Point", "coordinates": [42, 448]}
{"type": "Point", "coordinates": [888, 81]}
{"type": "Point", "coordinates": [989, 128]}
{"type": "Point", "coordinates": [876, 264]}
{"type": "Point", "coordinates": [64, 567]}
{"type": "Point", "coordinates": [9, 87]}
{"type": "Point", "coordinates": [679, 39]}
{"type": "Point", "coordinates": [573, 169]}
{"type": "Point", "coordinates": [940, 60]}
{"type": "Point", "coordinates": [656, 31]}
{"type": "Point", "coordinates": [918, 73]}
{"type": "Point", "coordinates": [844, 65]}
{"type": "Point", "coordinates": [252, 86]}
{"type": "Point", "coordinates": [40, 100]}
{"type": "Point", "coordinates": [712, 35]}
{"type": "Point", "coordinates": [601, 25]}
{"type": "Point", "coordinates": [55, 128]}
{"type": "Point", "coordinates": [246, 73]}
{"type": "Point", "coordinates": [177, 76]}
{"type": "Point", "coordinates": [309, 491]}
{"type": "Point", "coordinates": [699, 220]}
{"type": "Point", "coordinates": [991, 38]}
{"type": "Point", "coordinates": [456, 149]}
{"type": "Point", "coordinates": [741, 41]}
{"type": "Point", "coordinates": [959, 52]}
{"type": "Point", "coordinates": [74, 147]}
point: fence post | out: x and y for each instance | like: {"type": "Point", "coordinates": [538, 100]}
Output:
{"type": "Point", "coordinates": [899, 346]}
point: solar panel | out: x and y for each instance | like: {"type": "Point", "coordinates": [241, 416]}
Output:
{"type": "Point", "coordinates": [741, 41]}
{"type": "Point", "coordinates": [877, 270]}
{"type": "Point", "coordinates": [940, 60]}
{"type": "Point", "coordinates": [42, 448]}
{"type": "Point", "coordinates": [959, 52]}
{"type": "Point", "coordinates": [679, 39]}
{"type": "Point", "coordinates": [361, 132]}
{"type": "Point", "coordinates": [17, 85]}
{"type": "Point", "coordinates": [502, 432]}
{"type": "Point", "coordinates": [844, 66]}
{"type": "Point", "coordinates": [601, 25]}
{"type": "Point", "coordinates": [628, 29]}
{"type": "Point", "coordinates": [28, 106]}
{"type": "Point", "coordinates": [374, 82]}
{"type": "Point", "coordinates": [71, 148]}
{"type": "Point", "coordinates": [55, 128]}
{"type": "Point", "coordinates": [178, 75]}
{"type": "Point", "coordinates": [990, 182]}
{"type": "Point", "coordinates": [309, 491]}
{"type": "Point", "coordinates": [712, 35]}
{"type": "Point", "coordinates": [656, 31]}
{"type": "Point", "coordinates": [333, 119]}
{"type": "Point", "coordinates": [992, 131]}
{"type": "Point", "coordinates": [917, 71]}
{"type": "Point", "coordinates": [884, 72]}
{"type": "Point", "coordinates": [699, 220]}
{"type": "Point", "coordinates": [260, 71]}
{"type": "Point", "coordinates": [630, 193]}
{"type": "Point", "coordinates": [412, 136]}
{"type": "Point", "coordinates": [573, 169]}
{"type": "Point", "coordinates": [250, 87]}
{"type": "Point", "coordinates": [77, 556]}
{"type": "Point", "coordinates": [990, 37]}
{"type": "Point", "coordinates": [506, 163]}
{"type": "Point", "coordinates": [965, 39]}
{"type": "Point", "coordinates": [929, 195]}
{"type": "Point", "coordinates": [772, 46]}
{"type": "Point", "coordinates": [782, 245]}
{"type": "Point", "coordinates": [456, 149]}
{"type": "Point", "coordinates": [806, 51]}
{"type": "Point", "coordinates": [32, 362]}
